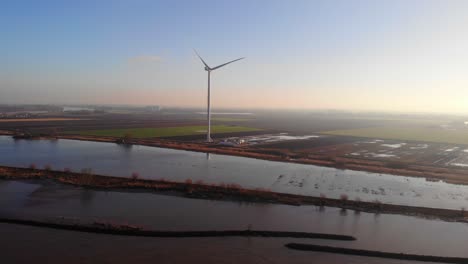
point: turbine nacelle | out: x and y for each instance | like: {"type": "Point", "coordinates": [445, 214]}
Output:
{"type": "Point", "coordinates": [208, 68]}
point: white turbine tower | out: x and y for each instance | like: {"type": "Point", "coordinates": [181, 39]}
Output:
{"type": "Point", "coordinates": [209, 70]}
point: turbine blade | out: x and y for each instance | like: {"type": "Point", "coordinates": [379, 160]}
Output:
{"type": "Point", "coordinates": [206, 65]}
{"type": "Point", "coordinates": [217, 67]}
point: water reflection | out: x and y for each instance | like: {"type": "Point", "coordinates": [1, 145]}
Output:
{"type": "Point", "coordinates": [86, 197]}
{"type": "Point", "coordinates": [355, 223]}
{"type": "Point", "coordinates": [50, 193]}
{"type": "Point", "coordinates": [127, 148]}
{"type": "Point", "coordinates": [343, 212]}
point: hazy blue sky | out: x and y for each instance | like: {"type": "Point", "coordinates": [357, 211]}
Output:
{"type": "Point", "coordinates": [367, 55]}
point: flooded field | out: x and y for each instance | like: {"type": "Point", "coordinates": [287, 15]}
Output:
{"type": "Point", "coordinates": [267, 138]}
{"type": "Point", "coordinates": [177, 165]}
{"type": "Point", "coordinates": [435, 154]}
{"type": "Point", "coordinates": [395, 233]}
{"type": "Point", "coordinates": [412, 152]}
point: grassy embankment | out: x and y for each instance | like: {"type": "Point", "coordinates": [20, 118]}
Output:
{"type": "Point", "coordinates": [163, 131]}
{"type": "Point", "coordinates": [373, 253]}
{"type": "Point", "coordinates": [127, 230]}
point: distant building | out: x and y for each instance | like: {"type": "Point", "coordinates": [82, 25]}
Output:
{"type": "Point", "coordinates": [72, 109]}
{"type": "Point", "coordinates": [155, 108]}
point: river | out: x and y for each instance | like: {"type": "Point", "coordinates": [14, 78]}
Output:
{"type": "Point", "coordinates": [46, 200]}
{"type": "Point", "coordinates": [178, 165]}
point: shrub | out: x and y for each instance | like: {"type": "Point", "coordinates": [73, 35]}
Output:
{"type": "Point", "coordinates": [188, 181]}
{"type": "Point", "coordinates": [135, 175]}
{"type": "Point", "coordinates": [87, 176]}
{"type": "Point", "coordinates": [344, 197]}
{"type": "Point", "coordinates": [234, 186]}
{"type": "Point", "coordinates": [322, 201]}
{"type": "Point", "coordinates": [200, 182]}
{"type": "Point", "coordinates": [377, 204]}
{"type": "Point", "coordinates": [127, 136]}
{"type": "Point", "coordinates": [87, 171]}
{"type": "Point", "coordinates": [343, 212]}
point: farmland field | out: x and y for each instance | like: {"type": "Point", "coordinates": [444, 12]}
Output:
{"type": "Point", "coordinates": [438, 135]}
{"type": "Point", "coordinates": [229, 119]}
{"type": "Point", "coordinates": [164, 131]}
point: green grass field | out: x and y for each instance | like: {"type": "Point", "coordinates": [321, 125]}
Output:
{"type": "Point", "coordinates": [228, 119]}
{"type": "Point", "coordinates": [164, 131]}
{"type": "Point", "coordinates": [407, 133]}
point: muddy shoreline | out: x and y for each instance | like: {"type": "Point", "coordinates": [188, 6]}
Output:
{"type": "Point", "coordinates": [378, 254]}
{"type": "Point", "coordinates": [449, 175]}
{"type": "Point", "coordinates": [234, 192]}
{"type": "Point", "coordinates": [112, 229]}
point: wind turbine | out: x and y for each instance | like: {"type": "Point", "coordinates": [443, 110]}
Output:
{"type": "Point", "coordinates": [209, 70]}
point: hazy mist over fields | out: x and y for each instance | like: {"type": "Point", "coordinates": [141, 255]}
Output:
{"type": "Point", "coordinates": [357, 55]}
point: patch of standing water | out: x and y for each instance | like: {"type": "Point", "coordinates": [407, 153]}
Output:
{"type": "Point", "coordinates": [452, 149]}
{"type": "Point", "coordinates": [371, 141]}
{"type": "Point", "coordinates": [420, 146]}
{"type": "Point", "coordinates": [381, 155]}
{"type": "Point", "coordinates": [269, 138]}
{"type": "Point", "coordinates": [459, 164]}
{"type": "Point", "coordinates": [399, 145]}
